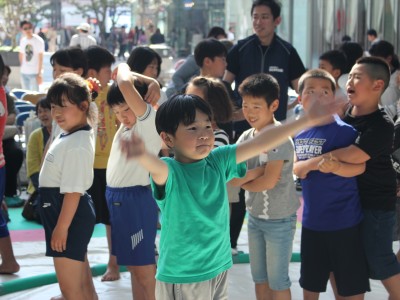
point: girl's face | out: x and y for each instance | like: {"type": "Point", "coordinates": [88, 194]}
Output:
{"type": "Point", "coordinates": [44, 115]}
{"type": "Point", "coordinates": [152, 69]}
{"type": "Point", "coordinates": [192, 142]}
{"type": "Point", "coordinates": [124, 115]}
{"type": "Point", "coordinates": [59, 69]}
{"type": "Point", "coordinates": [70, 116]}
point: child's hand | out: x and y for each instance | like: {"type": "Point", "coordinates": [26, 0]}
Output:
{"type": "Point", "coordinates": [132, 147]}
{"type": "Point", "coordinates": [300, 169]}
{"type": "Point", "coordinates": [59, 239]}
{"type": "Point", "coordinates": [329, 164]}
{"type": "Point", "coordinates": [153, 93]}
{"type": "Point", "coordinates": [322, 107]}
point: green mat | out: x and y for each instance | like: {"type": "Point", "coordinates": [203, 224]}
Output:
{"type": "Point", "coordinates": [18, 222]}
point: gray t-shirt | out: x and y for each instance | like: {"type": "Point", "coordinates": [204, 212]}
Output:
{"type": "Point", "coordinates": [281, 201]}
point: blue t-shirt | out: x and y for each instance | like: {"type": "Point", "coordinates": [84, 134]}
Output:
{"type": "Point", "coordinates": [331, 202]}
{"type": "Point", "coordinates": [194, 241]}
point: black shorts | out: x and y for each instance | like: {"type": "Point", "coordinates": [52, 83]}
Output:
{"type": "Point", "coordinates": [98, 193]}
{"type": "Point", "coordinates": [340, 252]}
{"type": "Point", "coordinates": [79, 232]}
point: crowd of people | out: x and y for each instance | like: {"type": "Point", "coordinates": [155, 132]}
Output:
{"type": "Point", "coordinates": [204, 155]}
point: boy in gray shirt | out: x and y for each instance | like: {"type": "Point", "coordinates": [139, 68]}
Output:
{"type": "Point", "coordinates": [270, 192]}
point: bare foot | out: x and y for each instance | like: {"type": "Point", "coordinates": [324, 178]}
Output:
{"type": "Point", "coordinates": [59, 297]}
{"type": "Point", "coordinates": [111, 274]}
{"type": "Point", "coordinates": [9, 268]}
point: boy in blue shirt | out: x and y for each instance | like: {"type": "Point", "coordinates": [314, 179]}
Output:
{"type": "Point", "coordinates": [331, 244]}
{"type": "Point", "coordinates": [190, 190]}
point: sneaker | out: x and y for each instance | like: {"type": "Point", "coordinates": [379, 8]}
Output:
{"type": "Point", "coordinates": [14, 201]}
{"type": "Point", "coordinates": [234, 251]}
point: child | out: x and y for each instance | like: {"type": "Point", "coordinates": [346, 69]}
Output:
{"type": "Point", "coordinates": [214, 92]}
{"type": "Point", "coordinates": [270, 196]}
{"type": "Point", "coordinates": [334, 61]}
{"type": "Point", "coordinates": [368, 79]}
{"type": "Point", "coordinates": [8, 263]}
{"type": "Point", "coordinates": [133, 211]}
{"type": "Point", "coordinates": [66, 209]}
{"type": "Point", "coordinates": [327, 244]}
{"type": "Point", "coordinates": [191, 191]}
{"type": "Point", "coordinates": [71, 59]}
{"type": "Point", "coordinates": [146, 61]}
{"type": "Point", "coordinates": [99, 62]}
{"type": "Point", "coordinates": [210, 56]}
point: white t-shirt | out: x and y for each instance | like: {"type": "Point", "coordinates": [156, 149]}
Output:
{"type": "Point", "coordinates": [122, 172]}
{"type": "Point", "coordinates": [69, 163]}
{"type": "Point", "coordinates": [31, 48]}
{"type": "Point", "coordinates": [82, 40]}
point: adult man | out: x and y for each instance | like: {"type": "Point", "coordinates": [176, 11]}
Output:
{"type": "Point", "coordinates": [265, 52]}
{"type": "Point", "coordinates": [83, 39]}
{"type": "Point", "coordinates": [30, 57]}
{"type": "Point", "coordinates": [262, 52]}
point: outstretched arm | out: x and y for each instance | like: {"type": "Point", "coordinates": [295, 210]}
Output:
{"type": "Point", "coordinates": [272, 136]}
{"type": "Point", "coordinates": [134, 148]}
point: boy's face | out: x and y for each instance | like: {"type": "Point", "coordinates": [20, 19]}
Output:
{"type": "Point", "coordinates": [316, 88]}
{"type": "Point", "coordinates": [326, 65]}
{"type": "Point", "coordinates": [360, 86]}
{"type": "Point", "coordinates": [215, 66]}
{"type": "Point", "coordinates": [257, 112]}
{"type": "Point", "coordinates": [192, 142]}
{"type": "Point", "coordinates": [124, 115]}
{"type": "Point", "coordinates": [104, 75]}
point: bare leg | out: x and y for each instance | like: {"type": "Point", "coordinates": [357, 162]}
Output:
{"type": "Point", "coordinates": [263, 292]}
{"type": "Point", "coordinates": [392, 285]}
{"type": "Point", "coordinates": [144, 282]}
{"type": "Point", "coordinates": [88, 285]}
{"type": "Point", "coordinates": [70, 275]}
{"type": "Point", "coordinates": [308, 295]}
{"type": "Point", "coordinates": [8, 265]}
{"type": "Point", "coordinates": [112, 272]}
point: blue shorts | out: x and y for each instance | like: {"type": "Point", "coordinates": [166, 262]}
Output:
{"type": "Point", "coordinates": [340, 252]}
{"type": "Point", "coordinates": [3, 223]}
{"type": "Point", "coordinates": [79, 232]}
{"type": "Point", "coordinates": [270, 249]}
{"type": "Point", "coordinates": [133, 218]}
{"type": "Point", "coordinates": [377, 232]}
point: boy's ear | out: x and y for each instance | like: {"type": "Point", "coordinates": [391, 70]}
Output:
{"type": "Point", "coordinates": [274, 105]}
{"type": "Point", "coordinates": [336, 73]}
{"type": "Point", "coordinates": [84, 106]}
{"type": "Point", "coordinates": [378, 85]}
{"type": "Point", "coordinates": [92, 73]}
{"type": "Point", "coordinates": [207, 61]}
{"type": "Point", "coordinates": [167, 139]}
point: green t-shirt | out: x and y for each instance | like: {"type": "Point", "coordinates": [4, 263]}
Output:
{"type": "Point", "coordinates": [194, 242]}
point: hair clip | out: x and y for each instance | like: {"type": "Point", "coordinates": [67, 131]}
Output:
{"type": "Point", "coordinates": [94, 86]}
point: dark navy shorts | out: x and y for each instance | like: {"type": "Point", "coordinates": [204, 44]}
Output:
{"type": "Point", "coordinates": [133, 216]}
{"type": "Point", "coordinates": [377, 229]}
{"type": "Point", "coordinates": [340, 252]}
{"type": "Point", "coordinates": [79, 232]}
{"type": "Point", "coordinates": [3, 222]}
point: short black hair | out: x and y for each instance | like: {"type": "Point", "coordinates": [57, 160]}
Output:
{"type": "Point", "coordinates": [353, 51]}
{"type": "Point", "coordinates": [2, 67]}
{"type": "Point", "coordinates": [210, 48]}
{"type": "Point", "coordinates": [216, 31]}
{"type": "Point", "coordinates": [385, 49]}
{"type": "Point", "coordinates": [316, 73]}
{"type": "Point", "coordinates": [72, 57]}
{"type": "Point", "coordinates": [141, 57]}
{"type": "Point", "coordinates": [372, 32]}
{"type": "Point", "coordinates": [180, 109]}
{"type": "Point", "coordinates": [25, 22]}
{"type": "Point", "coordinates": [377, 68]}
{"type": "Point", "coordinates": [260, 85]}
{"type": "Point", "coordinates": [336, 58]}
{"type": "Point", "coordinates": [115, 97]}
{"type": "Point", "coordinates": [274, 6]}
{"type": "Point", "coordinates": [8, 69]}
{"type": "Point", "coordinates": [98, 57]}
